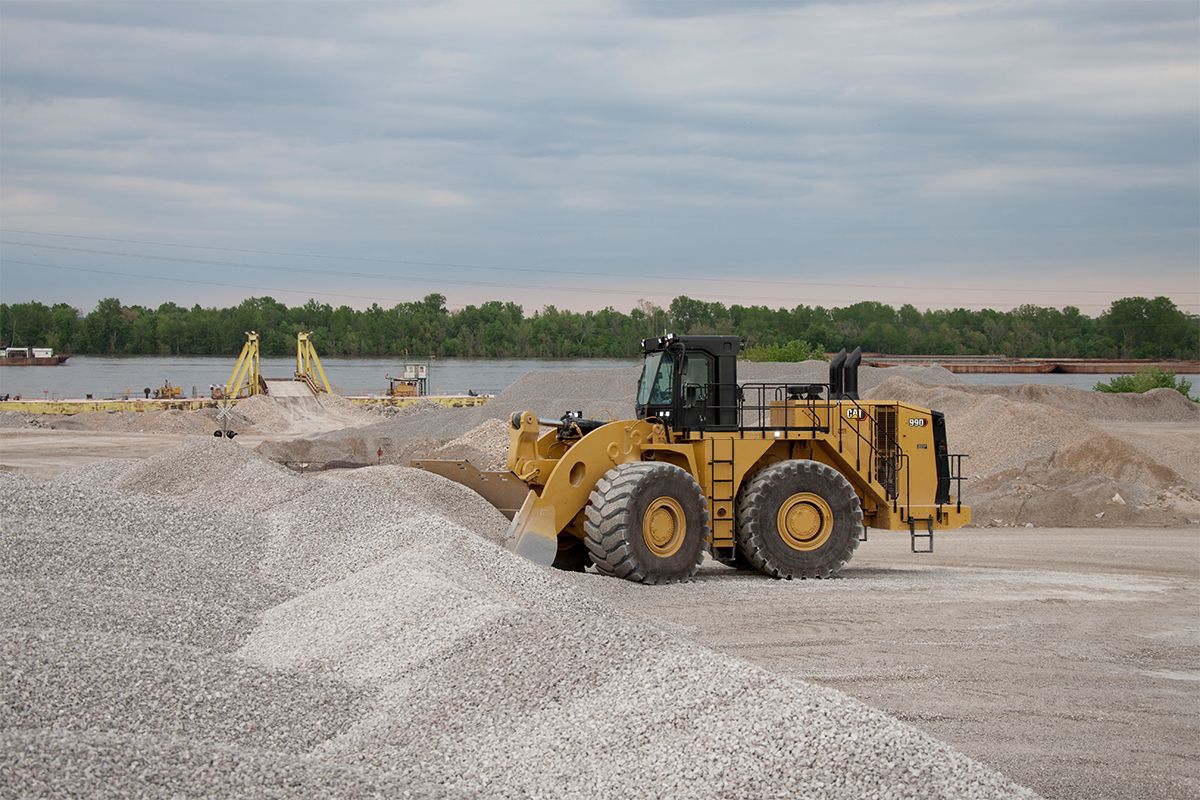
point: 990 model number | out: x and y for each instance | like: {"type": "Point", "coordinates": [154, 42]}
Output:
{"type": "Point", "coordinates": [918, 422]}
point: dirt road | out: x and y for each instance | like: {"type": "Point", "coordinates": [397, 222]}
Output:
{"type": "Point", "coordinates": [1069, 659]}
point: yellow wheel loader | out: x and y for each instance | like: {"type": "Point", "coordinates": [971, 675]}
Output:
{"type": "Point", "coordinates": [776, 477]}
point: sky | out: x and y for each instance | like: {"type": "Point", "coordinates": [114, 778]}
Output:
{"type": "Point", "coordinates": [591, 154]}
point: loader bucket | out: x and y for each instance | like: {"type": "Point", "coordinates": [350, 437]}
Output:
{"type": "Point", "coordinates": [504, 490]}
{"type": "Point", "coordinates": [533, 533]}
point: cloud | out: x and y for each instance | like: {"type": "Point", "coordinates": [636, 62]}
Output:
{"type": "Point", "coordinates": [929, 138]}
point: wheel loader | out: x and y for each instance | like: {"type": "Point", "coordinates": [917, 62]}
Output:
{"type": "Point", "coordinates": [782, 478]}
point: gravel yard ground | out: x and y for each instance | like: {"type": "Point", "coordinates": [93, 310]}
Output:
{"type": "Point", "coordinates": [1066, 658]}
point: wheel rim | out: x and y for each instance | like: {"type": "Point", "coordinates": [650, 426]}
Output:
{"type": "Point", "coordinates": [664, 527]}
{"type": "Point", "coordinates": [805, 521]}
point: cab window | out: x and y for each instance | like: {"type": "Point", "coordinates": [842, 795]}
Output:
{"type": "Point", "coordinates": [696, 373]}
{"type": "Point", "coordinates": [654, 388]}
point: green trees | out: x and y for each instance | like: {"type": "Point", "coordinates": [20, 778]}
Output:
{"type": "Point", "coordinates": [1144, 381]}
{"type": "Point", "coordinates": [795, 350]}
{"type": "Point", "coordinates": [1144, 328]}
{"type": "Point", "coordinates": [1134, 327]}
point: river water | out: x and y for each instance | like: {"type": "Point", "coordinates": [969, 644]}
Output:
{"type": "Point", "coordinates": [106, 377]}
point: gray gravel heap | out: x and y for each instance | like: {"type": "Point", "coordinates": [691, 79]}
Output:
{"type": "Point", "coordinates": [427, 430]}
{"type": "Point", "coordinates": [1048, 455]}
{"type": "Point", "coordinates": [358, 638]}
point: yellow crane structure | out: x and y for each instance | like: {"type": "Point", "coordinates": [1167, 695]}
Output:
{"type": "Point", "coordinates": [245, 381]}
{"type": "Point", "coordinates": [308, 365]}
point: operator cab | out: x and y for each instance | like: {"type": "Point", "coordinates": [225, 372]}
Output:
{"type": "Point", "coordinates": [690, 382]}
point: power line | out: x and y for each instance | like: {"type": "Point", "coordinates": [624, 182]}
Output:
{"type": "Point", "coordinates": [540, 270]}
{"type": "Point", "coordinates": [311, 293]}
{"type": "Point", "coordinates": [243, 265]}
{"type": "Point", "coordinates": [591, 290]}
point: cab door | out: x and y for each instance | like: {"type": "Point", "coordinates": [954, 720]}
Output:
{"type": "Point", "coordinates": [697, 394]}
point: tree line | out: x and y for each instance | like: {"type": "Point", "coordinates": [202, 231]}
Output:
{"type": "Point", "coordinates": [1133, 327]}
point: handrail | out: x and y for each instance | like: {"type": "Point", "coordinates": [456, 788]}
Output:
{"type": "Point", "coordinates": [809, 407]}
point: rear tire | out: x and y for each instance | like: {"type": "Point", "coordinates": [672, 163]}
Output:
{"type": "Point", "coordinates": [647, 522]}
{"type": "Point", "coordinates": [798, 519]}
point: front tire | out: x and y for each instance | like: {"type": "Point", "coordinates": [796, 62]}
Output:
{"type": "Point", "coordinates": [647, 522]}
{"type": "Point", "coordinates": [798, 519]}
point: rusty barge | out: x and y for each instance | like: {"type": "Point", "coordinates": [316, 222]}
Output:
{"type": "Point", "coordinates": [30, 357]}
{"type": "Point", "coordinates": [1034, 366]}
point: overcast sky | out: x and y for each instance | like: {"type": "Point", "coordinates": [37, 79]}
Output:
{"type": "Point", "coordinates": [598, 153]}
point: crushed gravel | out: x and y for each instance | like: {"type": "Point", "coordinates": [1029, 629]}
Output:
{"type": "Point", "coordinates": [369, 641]}
{"type": "Point", "coordinates": [50, 763]}
{"type": "Point", "coordinates": [1054, 456]}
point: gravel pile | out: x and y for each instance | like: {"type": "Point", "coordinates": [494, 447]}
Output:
{"type": "Point", "coordinates": [485, 445]}
{"type": "Point", "coordinates": [818, 372]}
{"type": "Point", "coordinates": [305, 414]}
{"type": "Point", "coordinates": [347, 521]}
{"type": "Point", "coordinates": [598, 393]}
{"type": "Point", "coordinates": [358, 637]}
{"type": "Point", "coordinates": [201, 422]}
{"type": "Point", "coordinates": [1157, 405]}
{"type": "Point", "coordinates": [389, 411]}
{"type": "Point", "coordinates": [212, 472]}
{"type": "Point", "coordinates": [1050, 456]}
{"type": "Point", "coordinates": [47, 763]}
{"type": "Point", "coordinates": [15, 419]}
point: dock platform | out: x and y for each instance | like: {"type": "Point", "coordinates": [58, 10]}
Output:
{"type": "Point", "coordinates": [78, 406]}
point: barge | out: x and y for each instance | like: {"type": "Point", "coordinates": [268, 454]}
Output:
{"type": "Point", "coordinates": [30, 357]}
{"type": "Point", "coordinates": [1034, 366]}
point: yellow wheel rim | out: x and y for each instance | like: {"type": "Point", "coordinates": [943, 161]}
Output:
{"type": "Point", "coordinates": [664, 527]}
{"type": "Point", "coordinates": [805, 521]}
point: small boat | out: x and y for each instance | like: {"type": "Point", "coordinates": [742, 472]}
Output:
{"type": "Point", "coordinates": [30, 357]}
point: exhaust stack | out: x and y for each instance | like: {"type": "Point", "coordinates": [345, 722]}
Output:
{"type": "Point", "coordinates": [850, 374]}
{"type": "Point", "coordinates": [835, 375]}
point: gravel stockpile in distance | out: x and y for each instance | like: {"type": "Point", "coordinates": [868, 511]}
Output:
{"type": "Point", "coordinates": [1040, 455]}
{"type": "Point", "coordinates": [16, 419]}
{"type": "Point", "coordinates": [598, 393]}
{"type": "Point", "coordinates": [200, 422]}
{"type": "Point", "coordinates": [301, 415]}
{"type": "Point", "coordinates": [1157, 405]}
{"type": "Point", "coordinates": [1051, 456]}
{"type": "Point", "coordinates": [389, 649]}
{"type": "Point", "coordinates": [485, 445]}
{"type": "Point", "coordinates": [818, 372]}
